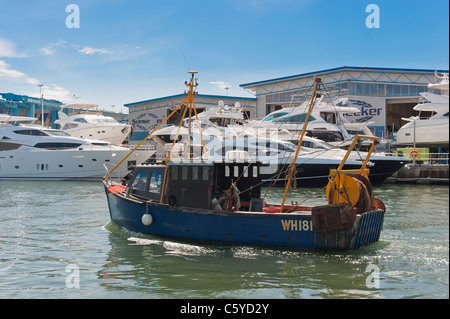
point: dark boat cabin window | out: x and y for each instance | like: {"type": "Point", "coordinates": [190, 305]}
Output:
{"type": "Point", "coordinates": [205, 176]}
{"type": "Point", "coordinates": [155, 182]}
{"type": "Point", "coordinates": [195, 173]}
{"type": "Point", "coordinates": [189, 185]}
{"type": "Point", "coordinates": [184, 173]}
{"type": "Point", "coordinates": [147, 183]}
{"type": "Point", "coordinates": [140, 181]}
{"type": "Point", "coordinates": [174, 173]}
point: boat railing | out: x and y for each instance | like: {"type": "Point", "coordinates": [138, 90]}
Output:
{"type": "Point", "coordinates": [425, 158]}
{"type": "Point", "coordinates": [143, 147]}
{"type": "Point", "coordinates": [119, 173]}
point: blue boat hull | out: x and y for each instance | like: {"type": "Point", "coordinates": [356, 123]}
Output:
{"type": "Point", "coordinates": [292, 230]}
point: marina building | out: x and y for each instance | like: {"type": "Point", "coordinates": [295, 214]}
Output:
{"type": "Point", "coordinates": [22, 105]}
{"type": "Point", "coordinates": [144, 116]}
{"type": "Point", "coordinates": [384, 95]}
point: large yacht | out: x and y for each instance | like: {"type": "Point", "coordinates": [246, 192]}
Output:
{"type": "Point", "coordinates": [432, 132]}
{"type": "Point", "coordinates": [90, 125]}
{"type": "Point", "coordinates": [33, 152]}
{"type": "Point", "coordinates": [324, 122]}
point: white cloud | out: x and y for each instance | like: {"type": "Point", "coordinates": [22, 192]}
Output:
{"type": "Point", "coordinates": [85, 50]}
{"type": "Point", "coordinates": [51, 48]}
{"type": "Point", "coordinates": [32, 81]}
{"type": "Point", "coordinates": [56, 92]}
{"type": "Point", "coordinates": [48, 50]}
{"type": "Point", "coordinates": [26, 84]}
{"type": "Point", "coordinates": [5, 71]}
{"type": "Point", "coordinates": [221, 84]}
{"type": "Point", "coordinates": [8, 49]}
{"type": "Point", "coordinates": [90, 51]}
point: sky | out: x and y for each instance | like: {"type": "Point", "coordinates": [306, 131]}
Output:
{"type": "Point", "coordinates": [125, 51]}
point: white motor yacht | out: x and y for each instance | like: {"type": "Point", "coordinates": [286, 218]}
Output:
{"type": "Point", "coordinates": [433, 131]}
{"type": "Point", "coordinates": [325, 122]}
{"type": "Point", "coordinates": [92, 125]}
{"type": "Point", "coordinates": [31, 152]}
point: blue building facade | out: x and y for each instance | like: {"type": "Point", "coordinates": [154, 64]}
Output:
{"type": "Point", "coordinates": [23, 105]}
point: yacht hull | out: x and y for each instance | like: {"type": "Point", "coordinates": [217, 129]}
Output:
{"type": "Point", "coordinates": [427, 133]}
{"type": "Point", "coordinates": [76, 164]}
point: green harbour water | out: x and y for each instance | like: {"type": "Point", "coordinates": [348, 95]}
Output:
{"type": "Point", "coordinates": [56, 241]}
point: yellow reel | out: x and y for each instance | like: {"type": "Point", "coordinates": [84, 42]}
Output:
{"type": "Point", "coordinates": [343, 189]}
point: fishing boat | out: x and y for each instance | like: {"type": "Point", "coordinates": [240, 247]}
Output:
{"type": "Point", "coordinates": [220, 201]}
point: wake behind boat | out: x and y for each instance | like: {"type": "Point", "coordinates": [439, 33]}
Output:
{"type": "Point", "coordinates": [221, 202]}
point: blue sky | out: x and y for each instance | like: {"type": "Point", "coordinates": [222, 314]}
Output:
{"type": "Point", "coordinates": [128, 51]}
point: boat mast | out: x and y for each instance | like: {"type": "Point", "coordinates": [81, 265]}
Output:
{"type": "Point", "coordinates": [191, 105]}
{"type": "Point", "coordinates": [190, 101]}
{"type": "Point", "coordinates": [292, 170]}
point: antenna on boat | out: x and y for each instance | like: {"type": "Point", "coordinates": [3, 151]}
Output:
{"type": "Point", "coordinates": [292, 168]}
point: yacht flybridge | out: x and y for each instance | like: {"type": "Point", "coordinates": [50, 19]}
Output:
{"type": "Point", "coordinates": [33, 152]}
{"type": "Point", "coordinates": [90, 125]}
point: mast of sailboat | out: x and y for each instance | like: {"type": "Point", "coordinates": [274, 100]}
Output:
{"type": "Point", "coordinates": [292, 168]}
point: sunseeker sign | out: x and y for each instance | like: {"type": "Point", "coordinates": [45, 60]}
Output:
{"type": "Point", "coordinates": [369, 112]}
{"type": "Point", "coordinates": [146, 121]}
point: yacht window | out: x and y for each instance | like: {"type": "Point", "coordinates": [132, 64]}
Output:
{"type": "Point", "coordinates": [155, 182]}
{"type": "Point", "coordinates": [102, 120]}
{"type": "Point", "coordinates": [307, 144]}
{"type": "Point", "coordinates": [57, 133]}
{"type": "Point", "coordinates": [294, 119]}
{"type": "Point", "coordinates": [446, 114]}
{"type": "Point", "coordinates": [80, 120]}
{"type": "Point", "coordinates": [31, 132]}
{"type": "Point", "coordinates": [273, 116]}
{"type": "Point", "coordinates": [5, 146]}
{"type": "Point", "coordinates": [57, 146]}
{"type": "Point", "coordinates": [140, 181]}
